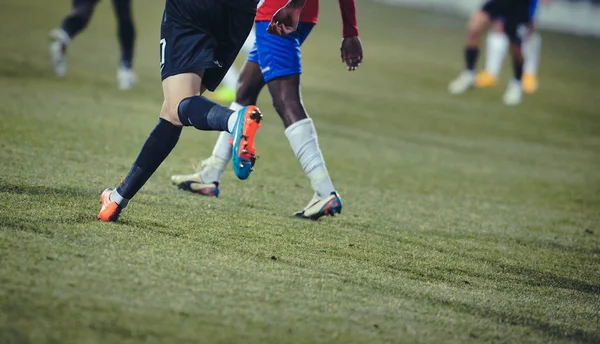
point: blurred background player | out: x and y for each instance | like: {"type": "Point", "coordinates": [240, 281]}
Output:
{"type": "Point", "coordinates": [277, 62]}
{"type": "Point", "coordinates": [516, 23]}
{"type": "Point", "coordinates": [79, 18]}
{"type": "Point", "coordinates": [496, 48]}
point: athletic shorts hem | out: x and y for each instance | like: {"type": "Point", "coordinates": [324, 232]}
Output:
{"type": "Point", "coordinates": [188, 69]}
{"type": "Point", "coordinates": [280, 74]}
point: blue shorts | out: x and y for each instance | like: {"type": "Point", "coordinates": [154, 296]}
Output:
{"type": "Point", "coordinates": [278, 56]}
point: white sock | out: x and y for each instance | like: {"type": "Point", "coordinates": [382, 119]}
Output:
{"type": "Point", "coordinates": [221, 153]}
{"type": "Point", "coordinates": [231, 78]}
{"type": "Point", "coordinates": [116, 197]}
{"type": "Point", "coordinates": [232, 120]}
{"type": "Point", "coordinates": [303, 139]}
{"type": "Point", "coordinates": [63, 36]}
{"type": "Point", "coordinates": [497, 46]}
{"type": "Point", "coordinates": [532, 48]}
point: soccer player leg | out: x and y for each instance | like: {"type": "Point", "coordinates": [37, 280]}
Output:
{"type": "Point", "coordinates": [532, 49]}
{"type": "Point", "coordinates": [183, 70]}
{"type": "Point", "coordinates": [126, 31]}
{"type": "Point", "coordinates": [496, 49]}
{"type": "Point", "coordinates": [280, 61]}
{"type": "Point", "coordinates": [516, 27]}
{"type": "Point", "coordinates": [206, 180]}
{"type": "Point", "coordinates": [478, 22]}
{"type": "Point", "coordinates": [72, 25]}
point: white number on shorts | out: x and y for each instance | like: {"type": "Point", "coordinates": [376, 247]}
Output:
{"type": "Point", "coordinates": [163, 47]}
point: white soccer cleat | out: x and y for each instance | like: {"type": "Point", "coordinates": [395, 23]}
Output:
{"type": "Point", "coordinates": [462, 83]}
{"type": "Point", "coordinates": [58, 51]}
{"type": "Point", "coordinates": [126, 78]}
{"type": "Point", "coordinates": [514, 93]}
{"type": "Point", "coordinates": [195, 183]}
{"type": "Point", "coordinates": [317, 208]}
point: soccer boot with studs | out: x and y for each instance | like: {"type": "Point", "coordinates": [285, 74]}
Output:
{"type": "Point", "coordinates": [110, 210]}
{"type": "Point", "coordinates": [242, 140]}
{"type": "Point", "coordinates": [318, 208]}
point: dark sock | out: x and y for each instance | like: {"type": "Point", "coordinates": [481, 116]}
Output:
{"type": "Point", "coordinates": [203, 114]}
{"type": "Point", "coordinates": [126, 30]}
{"type": "Point", "coordinates": [155, 150]}
{"type": "Point", "coordinates": [471, 55]}
{"type": "Point", "coordinates": [74, 24]}
{"type": "Point", "coordinates": [518, 68]}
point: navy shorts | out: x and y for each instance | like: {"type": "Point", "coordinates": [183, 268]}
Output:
{"type": "Point", "coordinates": [278, 56]}
{"type": "Point", "coordinates": [515, 14]}
{"type": "Point", "coordinates": [204, 35]}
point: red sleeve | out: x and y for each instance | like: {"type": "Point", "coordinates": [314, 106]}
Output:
{"type": "Point", "coordinates": [349, 24]}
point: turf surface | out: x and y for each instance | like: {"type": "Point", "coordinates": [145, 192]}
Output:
{"type": "Point", "coordinates": [464, 220]}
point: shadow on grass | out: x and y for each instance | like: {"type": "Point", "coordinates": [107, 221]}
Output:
{"type": "Point", "coordinates": [25, 225]}
{"type": "Point", "coordinates": [19, 69]}
{"type": "Point", "coordinates": [554, 331]}
{"type": "Point", "coordinates": [41, 222]}
{"type": "Point", "coordinates": [44, 190]}
{"type": "Point", "coordinates": [511, 272]}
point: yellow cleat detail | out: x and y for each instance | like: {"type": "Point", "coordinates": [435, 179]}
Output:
{"type": "Point", "coordinates": [485, 79]}
{"type": "Point", "coordinates": [530, 83]}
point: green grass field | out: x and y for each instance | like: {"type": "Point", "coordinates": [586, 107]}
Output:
{"type": "Point", "coordinates": [464, 220]}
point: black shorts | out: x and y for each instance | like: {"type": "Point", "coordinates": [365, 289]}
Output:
{"type": "Point", "coordinates": [515, 14]}
{"type": "Point", "coordinates": [204, 35]}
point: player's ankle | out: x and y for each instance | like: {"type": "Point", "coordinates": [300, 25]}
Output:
{"type": "Point", "coordinates": [117, 198]}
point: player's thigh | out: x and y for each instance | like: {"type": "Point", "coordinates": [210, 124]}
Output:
{"type": "Point", "coordinates": [478, 22]}
{"type": "Point", "coordinates": [285, 92]}
{"type": "Point", "coordinates": [122, 9]}
{"type": "Point", "coordinates": [250, 84]}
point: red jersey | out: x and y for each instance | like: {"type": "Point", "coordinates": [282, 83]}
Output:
{"type": "Point", "coordinates": [266, 10]}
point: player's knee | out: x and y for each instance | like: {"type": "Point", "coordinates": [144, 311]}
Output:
{"type": "Point", "coordinates": [473, 33]}
{"type": "Point", "coordinates": [170, 112]}
{"type": "Point", "coordinates": [498, 26]}
{"type": "Point", "coordinates": [246, 93]}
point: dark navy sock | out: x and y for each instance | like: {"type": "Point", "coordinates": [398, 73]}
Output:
{"type": "Point", "coordinates": [518, 68]}
{"type": "Point", "coordinates": [471, 55]}
{"type": "Point", "coordinates": [203, 114]}
{"type": "Point", "coordinates": [155, 150]}
{"type": "Point", "coordinates": [126, 30]}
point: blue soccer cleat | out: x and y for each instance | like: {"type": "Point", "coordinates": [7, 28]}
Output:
{"type": "Point", "coordinates": [244, 153]}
